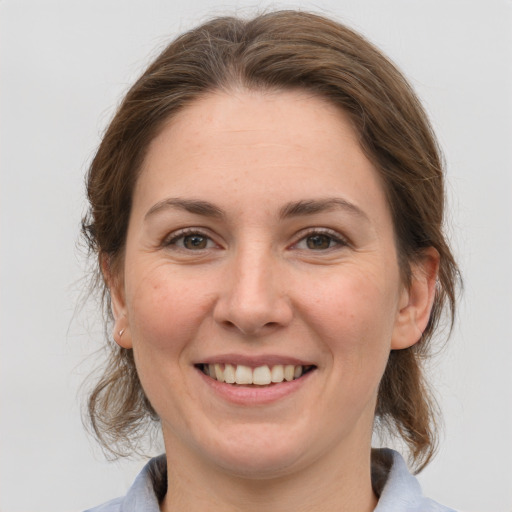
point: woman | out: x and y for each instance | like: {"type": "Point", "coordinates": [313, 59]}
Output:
{"type": "Point", "coordinates": [267, 209]}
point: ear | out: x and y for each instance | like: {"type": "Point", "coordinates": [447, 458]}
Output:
{"type": "Point", "coordinates": [115, 283]}
{"type": "Point", "coordinates": [416, 301]}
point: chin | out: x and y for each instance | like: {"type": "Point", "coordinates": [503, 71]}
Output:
{"type": "Point", "coordinates": [259, 454]}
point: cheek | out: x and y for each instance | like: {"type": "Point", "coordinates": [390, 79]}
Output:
{"type": "Point", "coordinates": [164, 310]}
{"type": "Point", "coordinates": [353, 314]}
{"type": "Point", "coordinates": [355, 299]}
{"type": "Point", "coordinates": [165, 314]}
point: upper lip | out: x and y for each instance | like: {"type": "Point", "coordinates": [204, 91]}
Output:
{"type": "Point", "coordinates": [254, 361]}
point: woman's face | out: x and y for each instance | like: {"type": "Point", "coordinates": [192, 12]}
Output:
{"type": "Point", "coordinates": [260, 240]}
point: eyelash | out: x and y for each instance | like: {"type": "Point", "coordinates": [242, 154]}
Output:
{"type": "Point", "coordinates": [333, 236]}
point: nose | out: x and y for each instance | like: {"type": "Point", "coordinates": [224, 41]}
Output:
{"type": "Point", "coordinates": [254, 300]}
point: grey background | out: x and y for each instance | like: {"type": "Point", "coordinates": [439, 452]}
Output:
{"type": "Point", "coordinates": [64, 67]}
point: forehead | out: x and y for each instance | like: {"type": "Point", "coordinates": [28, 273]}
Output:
{"type": "Point", "coordinates": [271, 145]}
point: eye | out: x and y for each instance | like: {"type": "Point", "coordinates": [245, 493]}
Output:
{"type": "Point", "coordinates": [320, 241]}
{"type": "Point", "coordinates": [191, 241]}
{"type": "Point", "coordinates": [317, 242]}
{"type": "Point", "coordinates": [195, 242]}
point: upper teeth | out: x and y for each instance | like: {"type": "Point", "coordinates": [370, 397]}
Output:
{"type": "Point", "coordinates": [261, 375]}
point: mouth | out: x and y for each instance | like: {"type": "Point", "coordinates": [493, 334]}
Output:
{"type": "Point", "coordinates": [264, 375]}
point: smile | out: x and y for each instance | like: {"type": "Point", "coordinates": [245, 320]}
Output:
{"type": "Point", "coordinates": [264, 375]}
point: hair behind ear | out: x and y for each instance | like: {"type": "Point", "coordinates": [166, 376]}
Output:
{"type": "Point", "coordinates": [405, 406]}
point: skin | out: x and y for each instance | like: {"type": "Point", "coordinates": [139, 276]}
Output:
{"type": "Point", "coordinates": [259, 287]}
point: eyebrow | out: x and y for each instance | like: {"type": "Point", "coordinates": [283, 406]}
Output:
{"type": "Point", "coordinates": [195, 206]}
{"type": "Point", "coordinates": [312, 206]}
{"type": "Point", "coordinates": [294, 209]}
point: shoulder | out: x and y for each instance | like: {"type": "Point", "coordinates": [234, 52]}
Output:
{"type": "Point", "coordinates": [398, 489]}
{"type": "Point", "coordinates": [145, 492]}
{"type": "Point", "coordinates": [109, 506]}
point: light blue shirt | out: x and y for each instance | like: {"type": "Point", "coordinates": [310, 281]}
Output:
{"type": "Point", "coordinates": [400, 492]}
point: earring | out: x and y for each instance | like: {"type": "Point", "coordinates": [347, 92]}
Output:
{"type": "Point", "coordinates": [121, 332]}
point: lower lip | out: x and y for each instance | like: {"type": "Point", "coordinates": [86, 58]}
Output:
{"type": "Point", "coordinates": [253, 395]}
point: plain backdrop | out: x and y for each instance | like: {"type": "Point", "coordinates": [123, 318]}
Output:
{"type": "Point", "coordinates": [65, 65]}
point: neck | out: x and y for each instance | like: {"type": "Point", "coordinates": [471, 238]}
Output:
{"type": "Point", "coordinates": [339, 482]}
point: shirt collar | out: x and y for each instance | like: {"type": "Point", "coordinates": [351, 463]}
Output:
{"type": "Point", "coordinates": [398, 489]}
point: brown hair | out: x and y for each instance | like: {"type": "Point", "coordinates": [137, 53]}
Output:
{"type": "Point", "coordinates": [280, 50]}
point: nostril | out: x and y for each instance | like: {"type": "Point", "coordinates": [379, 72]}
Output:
{"type": "Point", "coordinates": [250, 329]}
{"type": "Point", "coordinates": [252, 315]}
